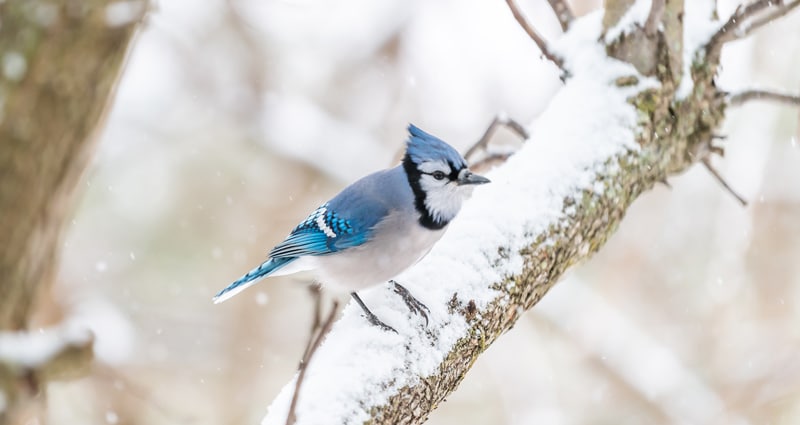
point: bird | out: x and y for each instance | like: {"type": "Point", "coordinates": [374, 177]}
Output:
{"type": "Point", "coordinates": [377, 227]}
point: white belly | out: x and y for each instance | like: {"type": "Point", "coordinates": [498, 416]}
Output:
{"type": "Point", "coordinates": [380, 259]}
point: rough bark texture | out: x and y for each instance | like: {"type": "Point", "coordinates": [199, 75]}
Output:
{"type": "Point", "coordinates": [673, 136]}
{"type": "Point", "coordinates": [60, 61]}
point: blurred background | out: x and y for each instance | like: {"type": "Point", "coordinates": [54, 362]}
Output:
{"type": "Point", "coordinates": [236, 118]}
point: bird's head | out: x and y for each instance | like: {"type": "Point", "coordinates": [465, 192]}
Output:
{"type": "Point", "coordinates": [439, 177]}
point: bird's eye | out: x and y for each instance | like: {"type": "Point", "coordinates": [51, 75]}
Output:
{"type": "Point", "coordinates": [438, 175]}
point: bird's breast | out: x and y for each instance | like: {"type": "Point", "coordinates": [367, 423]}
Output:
{"type": "Point", "coordinates": [397, 242]}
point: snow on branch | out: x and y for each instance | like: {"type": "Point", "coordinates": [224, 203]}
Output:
{"type": "Point", "coordinates": [549, 206]}
{"type": "Point", "coordinates": [62, 352]}
{"type": "Point", "coordinates": [610, 134]}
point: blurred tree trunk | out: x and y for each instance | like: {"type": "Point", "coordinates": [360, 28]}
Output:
{"type": "Point", "coordinates": [59, 63]}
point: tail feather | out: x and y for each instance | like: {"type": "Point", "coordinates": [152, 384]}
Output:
{"type": "Point", "coordinates": [265, 269]}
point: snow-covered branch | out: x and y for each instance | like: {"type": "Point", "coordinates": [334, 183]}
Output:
{"type": "Point", "coordinates": [610, 134]}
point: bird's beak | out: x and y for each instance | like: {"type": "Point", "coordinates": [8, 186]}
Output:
{"type": "Point", "coordinates": [469, 178]}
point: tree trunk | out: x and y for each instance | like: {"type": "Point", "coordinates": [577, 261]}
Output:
{"type": "Point", "coordinates": [60, 63]}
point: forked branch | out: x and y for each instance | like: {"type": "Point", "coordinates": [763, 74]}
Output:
{"type": "Point", "coordinates": [745, 20]}
{"type": "Point", "coordinates": [543, 47]}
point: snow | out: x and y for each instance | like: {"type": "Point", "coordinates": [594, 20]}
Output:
{"type": "Point", "coordinates": [589, 121]}
{"type": "Point", "coordinates": [636, 15]}
{"type": "Point", "coordinates": [698, 27]}
{"type": "Point", "coordinates": [33, 349]}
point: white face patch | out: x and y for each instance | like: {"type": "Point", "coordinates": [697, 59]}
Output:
{"type": "Point", "coordinates": [431, 166]}
{"type": "Point", "coordinates": [443, 198]}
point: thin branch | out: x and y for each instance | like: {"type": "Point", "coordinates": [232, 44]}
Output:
{"type": "Point", "coordinates": [654, 18]}
{"type": "Point", "coordinates": [722, 181]}
{"type": "Point", "coordinates": [314, 343]}
{"type": "Point", "coordinates": [316, 293]}
{"type": "Point", "coordinates": [748, 95]}
{"type": "Point", "coordinates": [559, 62]}
{"type": "Point", "coordinates": [500, 119]}
{"type": "Point", "coordinates": [563, 13]}
{"type": "Point", "coordinates": [735, 27]}
{"type": "Point", "coordinates": [494, 157]}
{"type": "Point", "coordinates": [771, 17]}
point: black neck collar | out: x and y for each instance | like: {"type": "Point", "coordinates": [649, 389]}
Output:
{"type": "Point", "coordinates": [425, 217]}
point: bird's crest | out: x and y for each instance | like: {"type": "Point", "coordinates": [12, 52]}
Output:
{"type": "Point", "coordinates": [422, 147]}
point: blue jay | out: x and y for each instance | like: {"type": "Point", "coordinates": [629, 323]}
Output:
{"type": "Point", "coordinates": [376, 227]}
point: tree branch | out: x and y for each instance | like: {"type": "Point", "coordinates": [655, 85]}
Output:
{"type": "Point", "coordinates": [707, 164]}
{"type": "Point", "coordinates": [736, 26]}
{"type": "Point", "coordinates": [654, 18]}
{"type": "Point", "coordinates": [540, 42]}
{"type": "Point", "coordinates": [758, 23]}
{"type": "Point", "coordinates": [500, 119]}
{"type": "Point", "coordinates": [598, 147]}
{"type": "Point", "coordinates": [555, 202]}
{"type": "Point", "coordinates": [563, 12]}
{"type": "Point", "coordinates": [749, 95]}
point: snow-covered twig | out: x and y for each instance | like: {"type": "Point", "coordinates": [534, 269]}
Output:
{"type": "Point", "coordinates": [748, 95]}
{"type": "Point", "coordinates": [563, 12]}
{"type": "Point", "coordinates": [543, 46]}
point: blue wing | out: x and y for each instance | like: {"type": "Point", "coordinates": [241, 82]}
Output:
{"type": "Point", "coordinates": [324, 232]}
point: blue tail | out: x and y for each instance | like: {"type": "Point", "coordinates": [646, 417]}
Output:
{"type": "Point", "coordinates": [265, 269]}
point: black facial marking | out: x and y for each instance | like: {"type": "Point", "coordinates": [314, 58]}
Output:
{"type": "Point", "coordinates": [425, 217]}
{"type": "Point", "coordinates": [456, 168]}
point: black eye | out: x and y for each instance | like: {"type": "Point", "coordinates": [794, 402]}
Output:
{"type": "Point", "coordinates": [438, 175]}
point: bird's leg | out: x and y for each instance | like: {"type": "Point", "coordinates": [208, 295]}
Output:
{"type": "Point", "coordinates": [413, 304]}
{"type": "Point", "coordinates": [371, 316]}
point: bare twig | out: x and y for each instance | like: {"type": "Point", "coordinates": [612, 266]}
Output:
{"type": "Point", "coordinates": [563, 13]}
{"type": "Point", "coordinates": [500, 119]}
{"type": "Point", "coordinates": [736, 27]}
{"type": "Point", "coordinates": [494, 157]}
{"type": "Point", "coordinates": [722, 181]}
{"type": "Point", "coordinates": [748, 95]}
{"type": "Point", "coordinates": [314, 343]}
{"type": "Point", "coordinates": [654, 18]}
{"type": "Point", "coordinates": [316, 293]}
{"type": "Point", "coordinates": [535, 36]}
{"type": "Point", "coordinates": [758, 23]}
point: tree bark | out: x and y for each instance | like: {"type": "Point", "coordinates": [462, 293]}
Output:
{"type": "Point", "coordinates": [672, 133]}
{"type": "Point", "coordinates": [60, 62]}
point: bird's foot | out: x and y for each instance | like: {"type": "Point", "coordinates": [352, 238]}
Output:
{"type": "Point", "coordinates": [413, 304]}
{"type": "Point", "coordinates": [371, 317]}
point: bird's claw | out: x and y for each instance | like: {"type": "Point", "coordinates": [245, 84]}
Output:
{"type": "Point", "coordinates": [371, 317]}
{"type": "Point", "coordinates": [413, 304]}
